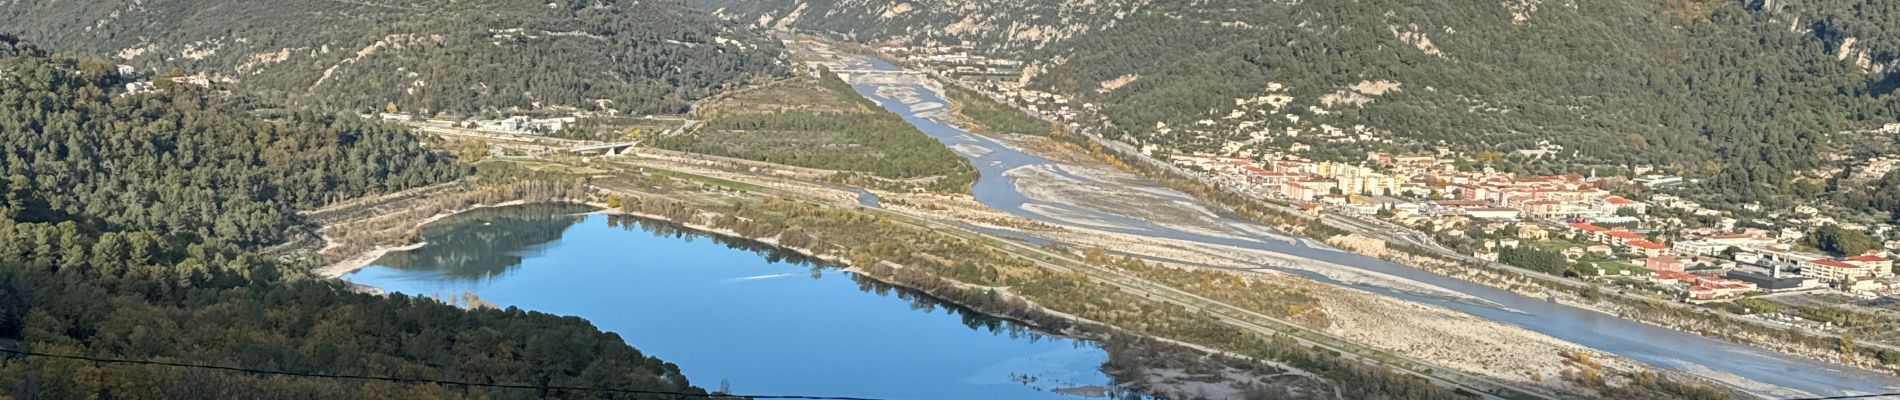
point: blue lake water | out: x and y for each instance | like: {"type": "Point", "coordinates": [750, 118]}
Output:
{"type": "Point", "coordinates": [764, 320]}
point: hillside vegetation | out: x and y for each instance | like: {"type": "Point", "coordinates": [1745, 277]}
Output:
{"type": "Point", "coordinates": [423, 56]}
{"type": "Point", "coordinates": [1747, 101]}
{"type": "Point", "coordinates": [822, 123]}
{"type": "Point", "coordinates": [129, 228]}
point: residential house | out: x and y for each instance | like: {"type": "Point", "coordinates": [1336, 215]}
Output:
{"type": "Point", "coordinates": [1663, 263]}
{"type": "Point", "coordinates": [1612, 203]}
{"type": "Point", "coordinates": [1583, 231]}
{"type": "Point", "coordinates": [1620, 236]}
{"type": "Point", "coordinates": [1532, 232]}
{"type": "Point", "coordinates": [1672, 277]}
{"type": "Point", "coordinates": [1493, 213]}
{"type": "Point", "coordinates": [1712, 288]}
{"type": "Point", "coordinates": [1834, 270]}
{"type": "Point", "coordinates": [1648, 248]}
{"type": "Point", "coordinates": [1698, 247]}
{"type": "Point", "coordinates": [1881, 266]}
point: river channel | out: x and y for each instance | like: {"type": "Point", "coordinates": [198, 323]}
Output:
{"type": "Point", "coordinates": [1759, 371]}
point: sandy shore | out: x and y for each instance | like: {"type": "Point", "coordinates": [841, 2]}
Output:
{"type": "Point", "coordinates": [364, 259]}
{"type": "Point", "coordinates": [357, 262]}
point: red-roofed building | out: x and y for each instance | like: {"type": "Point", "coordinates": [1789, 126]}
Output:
{"type": "Point", "coordinates": [1672, 277]}
{"type": "Point", "coordinates": [1648, 248]}
{"type": "Point", "coordinates": [1623, 235]}
{"type": "Point", "coordinates": [1584, 231]}
{"type": "Point", "coordinates": [1711, 288]}
{"type": "Point", "coordinates": [1834, 270]}
{"type": "Point", "coordinates": [1663, 263]}
{"type": "Point", "coordinates": [1882, 267]}
{"type": "Point", "coordinates": [1306, 190]}
{"type": "Point", "coordinates": [1612, 203]}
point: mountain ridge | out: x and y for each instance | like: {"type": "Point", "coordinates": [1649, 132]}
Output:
{"type": "Point", "coordinates": [427, 56]}
{"type": "Point", "coordinates": [1711, 90]}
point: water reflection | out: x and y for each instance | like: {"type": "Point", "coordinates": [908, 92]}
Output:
{"type": "Point", "coordinates": [917, 300]}
{"type": "Point", "coordinates": [481, 244]}
{"type": "Point", "coordinates": [725, 309]}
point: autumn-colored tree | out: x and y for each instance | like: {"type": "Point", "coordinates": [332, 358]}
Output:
{"type": "Point", "coordinates": [1489, 157]}
{"type": "Point", "coordinates": [470, 150]}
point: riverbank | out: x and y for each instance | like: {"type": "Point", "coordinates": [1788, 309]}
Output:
{"type": "Point", "coordinates": [357, 240]}
{"type": "Point", "coordinates": [1166, 375]}
{"type": "Point", "coordinates": [958, 210]}
{"type": "Point", "coordinates": [1494, 350]}
{"type": "Point", "coordinates": [700, 300]}
{"type": "Point", "coordinates": [1149, 365]}
{"type": "Point", "coordinates": [363, 259]}
{"type": "Point", "coordinates": [1581, 296]}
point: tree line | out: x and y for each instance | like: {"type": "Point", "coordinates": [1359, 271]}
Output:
{"type": "Point", "coordinates": [131, 229]}
{"type": "Point", "coordinates": [868, 141]}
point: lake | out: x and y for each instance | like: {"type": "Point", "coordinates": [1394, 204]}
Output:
{"type": "Point", "coordinates": [764, 320]}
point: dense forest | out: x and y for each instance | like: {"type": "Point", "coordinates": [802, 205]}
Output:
{"type": "Point", "coordinates": [981, 114]}
{"type": "Point", "coordinates": [130, 231]}
{"type": "Point", "coordinates": [423, 56]}
{"type": "Point", "coordinates": [1863, 32]}
{"type": "Point", "coordinates": [1747, 102]}
{"type": "Point", "coordinates": [185, 162]}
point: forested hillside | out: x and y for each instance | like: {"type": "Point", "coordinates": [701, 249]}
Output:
{"type": "Point", "coordinates": [129, 228]}
{"type": "Point", "coordinates": [1863, 32]}
{"type": "Point", "coordinates": [184, 162]}
{"type": "Point", "coordinates": [822, 123]}
{"type": "Point", "coordinates": [987, 25]}
{"type": "Point", "coordinates": [424, 56]}
{"type": "Point", "coordinates": [1706, 88]}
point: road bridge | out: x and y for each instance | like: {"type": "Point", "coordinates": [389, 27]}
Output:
{"type": "Point", "coordinates": [605, 149]}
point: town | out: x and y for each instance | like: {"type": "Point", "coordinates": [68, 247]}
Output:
{"type": "Point", "coordinates": [1628, 232]}
{"type": "Point", "coordinates": [1600, 234]}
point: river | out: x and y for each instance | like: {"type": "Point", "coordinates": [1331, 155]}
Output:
{"type": "Point", "coordinates": [764, 320]}
{"type": "Point", "coordinates": [1758, 371]}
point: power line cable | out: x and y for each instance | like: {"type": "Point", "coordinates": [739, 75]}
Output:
{"type": "Point", "coordinates": [413, 380]}
{"type": "Point", "coordinates": [1858, 396]}
{"type": "Point", "coordinates": [570, 388]}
